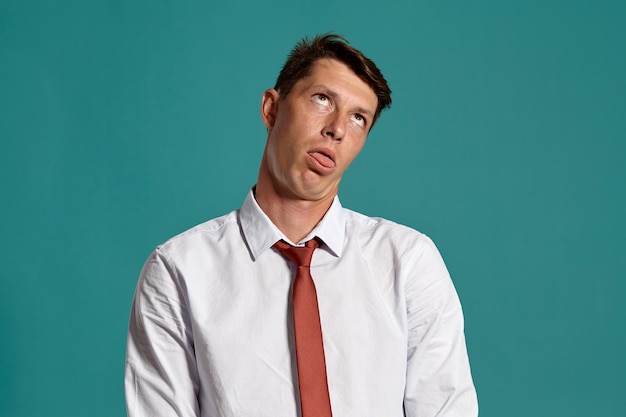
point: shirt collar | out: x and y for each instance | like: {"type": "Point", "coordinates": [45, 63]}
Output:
{"type": "Point", "coordinates": [260, 233]}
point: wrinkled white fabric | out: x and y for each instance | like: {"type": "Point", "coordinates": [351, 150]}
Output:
{"type": "Point", "coordinates": [211, 330]}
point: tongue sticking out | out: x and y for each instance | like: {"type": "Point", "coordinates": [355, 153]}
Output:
{"type": "Point", "coordinates": [323, 160]}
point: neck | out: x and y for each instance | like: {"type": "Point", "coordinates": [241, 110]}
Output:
{"type": "Point", "coordinates": [294, 217]}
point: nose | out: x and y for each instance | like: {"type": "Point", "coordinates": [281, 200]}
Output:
{"type": "Point", "coordinates": [335, 127]}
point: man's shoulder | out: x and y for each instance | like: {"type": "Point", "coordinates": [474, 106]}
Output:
{"type": "Point", "coordinates": [383, 239]}
{"type": "Point", "coordinates": [210, 230]}
{"type": "Point", "coordinates": [367, 223]}
{"type": "Point", "coordinates": [383, 230]}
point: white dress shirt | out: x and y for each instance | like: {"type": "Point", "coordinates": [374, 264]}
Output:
{"type": "Point", "coordinates": [211, 331]}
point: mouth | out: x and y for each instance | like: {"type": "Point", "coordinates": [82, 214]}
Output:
{"type": "Point", "coordinates": [323, 159]}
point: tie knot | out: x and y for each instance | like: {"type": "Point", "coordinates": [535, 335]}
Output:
{"type": "Point", "coordinates": [299, 255]}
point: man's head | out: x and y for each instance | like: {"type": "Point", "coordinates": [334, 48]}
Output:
{"type": "Point", "coordinates": [306, 52]}
{"type": "Point", "coordinates": [326, 100]}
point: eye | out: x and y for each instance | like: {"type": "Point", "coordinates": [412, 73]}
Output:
{"type": "Point", "coordinates": [359, 119]}
{"type": "Point", "coordinates": [321, 99]}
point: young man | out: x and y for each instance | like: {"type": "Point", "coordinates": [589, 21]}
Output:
{"type": "Point", "coordinates": [231, 319]}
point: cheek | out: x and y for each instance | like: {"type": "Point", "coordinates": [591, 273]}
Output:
{"type": "Point", "coordinates": [358, 146]}
{"type": "Point", "coordinates": [280, 150]}
{"type": "Point", "coordinates": [352, 152]}
{"type": "Point", "coordinates": [275, 149]}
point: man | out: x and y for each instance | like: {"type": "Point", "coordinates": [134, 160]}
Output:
{"type": "Point", "coordinates": [212, 327]}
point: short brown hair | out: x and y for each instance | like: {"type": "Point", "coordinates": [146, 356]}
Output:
{"type": "Point", "coordinates": [307, 52]}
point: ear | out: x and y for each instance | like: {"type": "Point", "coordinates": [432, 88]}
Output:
{"type": "Point", "coordinates": [269, 107]}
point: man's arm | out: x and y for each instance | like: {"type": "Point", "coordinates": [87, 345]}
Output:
{"type": "Point", "coordinates": [439, 382]}
{"type": "Point", "coordinates": [161, 374]}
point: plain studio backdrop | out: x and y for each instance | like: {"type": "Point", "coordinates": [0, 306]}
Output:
{"type": "Point", "coordinates": [123, 123]}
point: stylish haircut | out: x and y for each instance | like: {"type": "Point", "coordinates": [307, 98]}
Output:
{"type": "Point", "coordinates": [306, 52]}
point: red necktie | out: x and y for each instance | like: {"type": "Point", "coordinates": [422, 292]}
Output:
{"type": "Point", "coordinates": [314, 397]}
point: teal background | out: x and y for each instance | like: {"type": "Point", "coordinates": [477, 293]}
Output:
{"type": "Point", "coordinates": [123, 123]}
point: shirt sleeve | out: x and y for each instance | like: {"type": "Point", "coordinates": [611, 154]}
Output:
{"type": "Point", "coordinates": [439, 381]}
{"type": "Point", "coordinates": [161, 376]}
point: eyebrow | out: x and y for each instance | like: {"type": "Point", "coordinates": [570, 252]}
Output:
{"type": "Point", "coordinates": [364, 111]}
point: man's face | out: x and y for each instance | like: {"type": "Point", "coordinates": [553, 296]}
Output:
{"type": "Point", "coordinates": [316, 131]}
